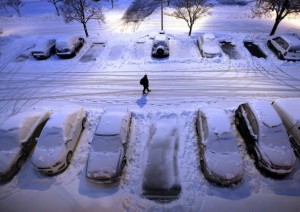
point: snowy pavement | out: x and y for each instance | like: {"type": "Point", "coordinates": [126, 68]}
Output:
{"type": "Point", "coordinates": [180, 84]}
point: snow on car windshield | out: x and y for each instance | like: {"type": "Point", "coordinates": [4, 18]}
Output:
{"type": "Point", "coordinates": [50, 137]}
{"type": "Point", "coordinates": [8, 140]}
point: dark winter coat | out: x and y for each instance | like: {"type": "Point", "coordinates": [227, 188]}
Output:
{"type": "Point", "coordinates": [144, 81]}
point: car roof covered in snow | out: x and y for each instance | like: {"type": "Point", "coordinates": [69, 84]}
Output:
{"type": "Point", "coordinates": [217, 120]}
{"type": "Point", "coordinates": [293, 40]}
{"type": "Point", "coordinates": [111, 122]}
{"type": "Point", "coordinates": [66, 41]}
{"type": "Point", "coordinates": [290, 107]}
{"type": "Point", "coordinates": [24, 123]}
{"type": "Point", "coordinates": [59, 117]}
{"type": "Point", "coordinates": [265, 112]}
{"type": "Point", "coordinates": [42, 44]}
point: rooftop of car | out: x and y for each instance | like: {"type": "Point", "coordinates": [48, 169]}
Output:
{"type": "Point", "coordinates": [265, 112]}
{"type": "Point", "coordinates": [292, 39]}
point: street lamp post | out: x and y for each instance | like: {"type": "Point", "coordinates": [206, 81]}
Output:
{"type": "Point", "coordinates": [162, 15]}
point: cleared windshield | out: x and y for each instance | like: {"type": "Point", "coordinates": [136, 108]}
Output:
{"type": "Point", "coordinates": [50, 137]}
{"type": "Point", "coordinates": [8, 140]}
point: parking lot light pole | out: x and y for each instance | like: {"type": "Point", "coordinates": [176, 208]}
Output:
{"type": "Point", "coordinates": [162, 15]}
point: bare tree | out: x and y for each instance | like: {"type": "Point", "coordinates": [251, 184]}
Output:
{"type": "Point", "coordinates": [16, 5]}
{"type": "Point", "coordinates": [3, 5]}
{"type": "Point", "coordinates": [282, 9]}
{"type": "Point", "coordinates": [55, 2]}
{"type": "Point", "coordinates": [82, 11]}
{"type": "Point", "coordinates": [190, 11]}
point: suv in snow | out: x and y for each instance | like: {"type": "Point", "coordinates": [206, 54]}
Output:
{"type": "Point", "coordinates": [160, 45]}
{"type": "Point", "coordinates": [286, 47]}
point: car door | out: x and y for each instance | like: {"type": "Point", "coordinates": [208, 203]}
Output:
{"type": "Point", "coordinates": [124, 129]}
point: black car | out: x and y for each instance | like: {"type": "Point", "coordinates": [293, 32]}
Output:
{"type": "Point", "coordinates": [265, 137]}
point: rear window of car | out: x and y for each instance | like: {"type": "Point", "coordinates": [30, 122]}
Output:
{"type": "Point", "coordinates": [50, 137]}
{"type": "Point", "coordinates": [282, 43]}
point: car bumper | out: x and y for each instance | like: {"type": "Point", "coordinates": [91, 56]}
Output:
{"type": "Point", "coordinates": [102, 180]}
{"type": "Point", "coordinates": [52, 170]}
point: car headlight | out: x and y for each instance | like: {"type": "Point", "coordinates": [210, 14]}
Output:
{"type": "Point", "coordinates": [58, 163]}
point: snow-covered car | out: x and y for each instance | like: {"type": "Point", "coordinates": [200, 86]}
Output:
{"type": "Point", "coordinates": [161, 177]}
{"type": "Point", "coordinates": [44, 49]}
{"type": "Point", "coordinates": [286, 47]}
{"type": "Point", "coordinates": [17, 140]}
{"type": "Point", "coordinates": [288, 110]}
{"type": "Point", "coordinates": [265, 137]}
{"type": "Point", "coordinates": [220, 158]}
{"type": "Point", "coordinates": [68, 47]}
{"type": "Point", "coordinates": [56, 144]}
{"type": "Point", "coordinates": [160, 45]}
{"type": "Point", "coordinates": [209, 46]}
{"type": "Point", "coordinates": [106, 158]}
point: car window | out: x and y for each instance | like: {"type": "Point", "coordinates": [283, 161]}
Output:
{"type": "Point", "coordinates": [9, 140]}
{"type": "Point", "coordinates": [254, 126]}
{"type": "Point", "coordinates": [248, 112]}
{"type": "Point", "coordinates": [50, 137]}
{"type": "Point", "coordinates": [294, 50]}
{"type": "Point", "coordinates": [282, 43]}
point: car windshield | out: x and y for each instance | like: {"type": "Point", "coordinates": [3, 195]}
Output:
{"type": "Point", "coordinates": [160, 43]}
{"type": "Point", "coordinates": [50, 137]}
{"type": "Point", "coordinates": [106, 143]}
{"type": "Point", "coordinates": [223, 143]}
{"type": "Point", "coordinates": [273, 136]}
{"type": "Point", "coordinates": [8, 140]}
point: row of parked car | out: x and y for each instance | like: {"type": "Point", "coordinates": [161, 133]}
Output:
{"type": "Point", "coordinates": [286, 47]}
{"type": "Point", "coordinates": [65, 47]}
{"type": "Point", "coordinates": [268, 130]}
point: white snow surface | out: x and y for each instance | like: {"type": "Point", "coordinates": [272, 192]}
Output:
{"type": "Point", "coordinates": [181, 84]}
{"type": "Point", "coordinates": [111, 123]}
{"type": "Point", "coordinates": [291, 108]}
{"type": "Point", "coordinates": [266, 113]}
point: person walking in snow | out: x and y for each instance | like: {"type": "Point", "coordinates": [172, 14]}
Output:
{"type": "Point", "coordinates": [145, 83]}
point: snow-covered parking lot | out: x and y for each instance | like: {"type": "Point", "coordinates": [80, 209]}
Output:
{"type": "Point", "coordinates": [107, 75]}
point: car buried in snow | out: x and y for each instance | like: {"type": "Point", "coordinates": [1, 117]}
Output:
{"type": "Point", "coordinates": [106, 159]}
{"type": "Point", "coordinates": [161, 177]}
{"type": "Point", "coordinates": [208, 46]}
{"type": "Point", "coordinates": [220, 158]}
{"type": "Point", "coordinates": [265, 137]}
{"type": "Point", "coordinates": [288, 110]}
{"type": "Point", "coordinates": [160, 47]}
{"type": "Point", "coordinates": [286, 47]}
{"type": "Point", "coordinates": [17, 140]}
{"type": "Point", "coordinates": [68, 47]}
{"type": "Point", "coordinates": [44, 49]}
{"type": "Point", "coordinates": [58, 139]}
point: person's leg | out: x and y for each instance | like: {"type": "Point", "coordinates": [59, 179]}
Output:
{"type": "Point", "coordinates": [144, 89]}
{"type": "Point", "coordinates": [148, 89]}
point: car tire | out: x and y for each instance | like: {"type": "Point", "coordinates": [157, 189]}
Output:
{"type": "Point", "coordinates": [69, 158]}
{"type": "Point", "coordinates": [83, 122]}
{"type": "Point", "coordinates": [279, 55]}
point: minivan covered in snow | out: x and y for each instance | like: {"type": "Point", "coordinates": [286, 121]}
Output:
{"type": "Point", "coordinates": [286, 47]}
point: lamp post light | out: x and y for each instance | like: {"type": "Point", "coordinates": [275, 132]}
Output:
{"type": "Point", "coordinates": [162, 15]}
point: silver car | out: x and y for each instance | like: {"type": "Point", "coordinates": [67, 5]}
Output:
{"type": "Point", "coordinates": [265, 137]}
{"type": "Point", "coordinates": [44, 49]}
{"type": "Point", "coordinates": [57, 142]}
{"type": "Point", "coordinates": [286, 47]}
{"type": "Point", "coordinates": [208, 46]}
{"type": "Point", "coordinates": [220, 157]}
{"type": "Point", "coordinates": [160, 46]}
{"type": "Point", "coordinates": [106, 158]}
{"type": "Point", "coordinates": [17, 140]}
{"type": "Point", "coordinates": [68, 47]}
{"type": "Point", "coordinates": [288, 110]}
